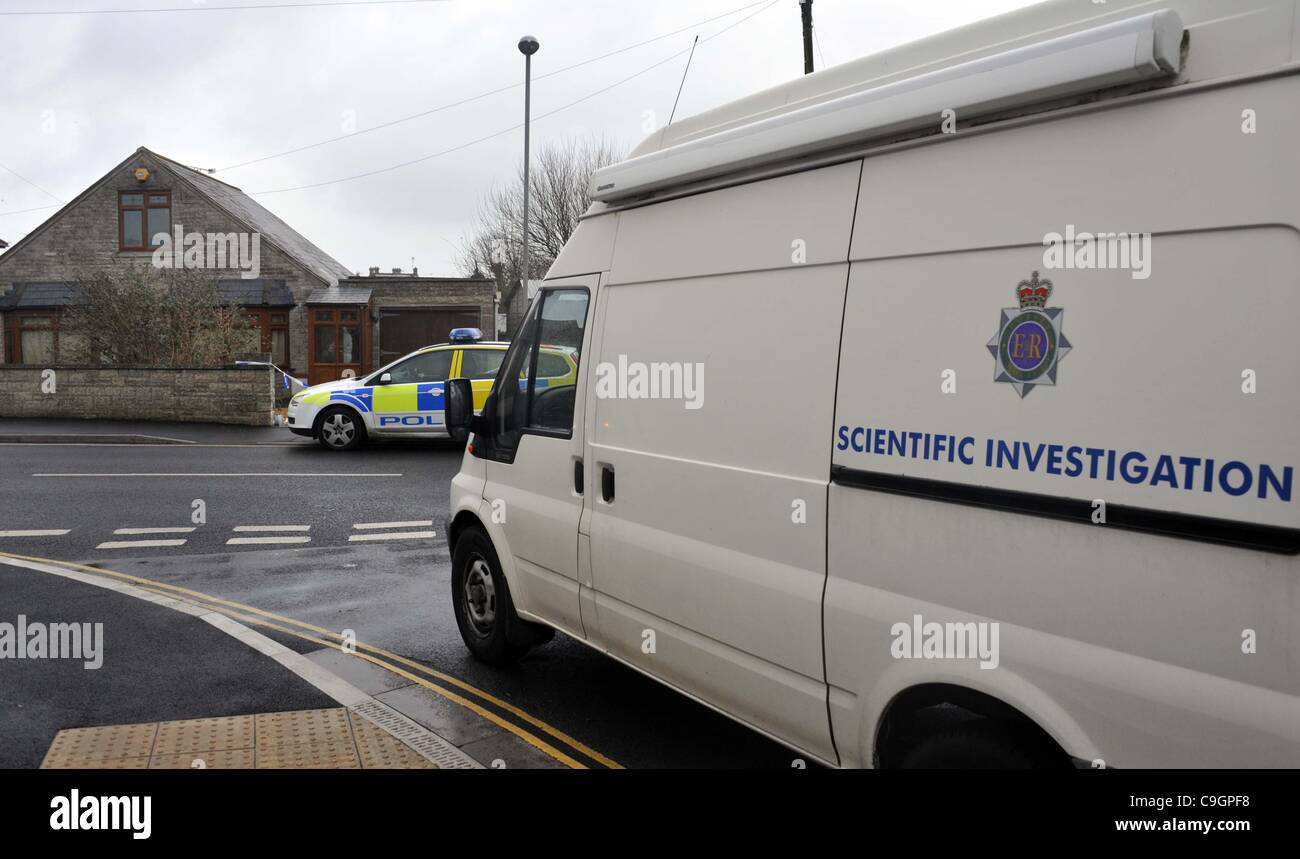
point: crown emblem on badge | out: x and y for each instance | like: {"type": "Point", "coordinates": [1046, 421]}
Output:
{"type": "Point", "coordinates": [1033, 292]}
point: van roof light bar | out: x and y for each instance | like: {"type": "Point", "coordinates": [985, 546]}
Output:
{"type": "Point", "coordinates": [1121, 52]}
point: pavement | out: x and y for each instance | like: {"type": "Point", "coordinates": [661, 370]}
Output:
{"type": "Point", "coordinates": [363, 559]}
{"type": "Point", "coordinates": [96, 703]}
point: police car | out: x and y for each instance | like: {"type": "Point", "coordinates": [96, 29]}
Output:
{"type": "Point", "coordinates": [405, 398]}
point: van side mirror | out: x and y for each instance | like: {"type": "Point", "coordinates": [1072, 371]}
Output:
{"type": "Point", "coordinates": [458, 408]}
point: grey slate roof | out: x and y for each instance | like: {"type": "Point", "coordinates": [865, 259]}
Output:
{"type": "Point", "coordinates": [244, 208]}
{"type": "Point", "coordinates": [25, 296]}
{"type": "Point", "coordinates": [255, 292]}
{"type": "Point", "coordinates": [340, 295]}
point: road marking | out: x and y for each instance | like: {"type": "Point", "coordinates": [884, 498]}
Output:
{"type": "Point", "coordinates": [266, 541]}
{"type": "Point", "coordinates": [139, 544]}
{"type": "Point", "coordinates": [127, 531]}
{"type": "Point", "coordinates": [235, 609]}
{"type": "Point", "coordinates": [168, 441]}
{"type": "Point", "coordinates": [419, 523]}
{"type": "Point", "coordinates": [213, 474]}
{"type": "Point", "coordinates": [393, 535]}
{"type": "Point", "coordinates": [239, 528]}
{"type": "Point", "coordinates": [50, 532]}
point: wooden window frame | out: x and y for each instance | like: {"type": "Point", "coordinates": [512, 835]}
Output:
{"type": "Point", "coordinates": [143, 208]}
{"type": "Point", "coordinates": [14, 328]}
{"type": "Point", "coordinates": [264, 318]}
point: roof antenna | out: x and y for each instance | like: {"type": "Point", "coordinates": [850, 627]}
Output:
{"type": "Point", "coordinates": [683, 83]}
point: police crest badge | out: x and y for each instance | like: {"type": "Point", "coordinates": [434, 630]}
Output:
{"type": "Point", "coordinates": [1029, 344]}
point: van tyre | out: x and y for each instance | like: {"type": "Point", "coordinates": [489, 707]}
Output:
{"type": "Point", "coordinates": [979, 745]}
{"type": "Point", "coordinates": [485, 614]}
{"type": "Point", "coordinates": [340, 428]}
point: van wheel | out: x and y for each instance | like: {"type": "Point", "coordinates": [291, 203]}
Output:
{"type": "Point", "coordinates": [980, 745]}
{"type": "Point", "coordinates": [340, 429]}
{"type": "Point", "coordinates": [486, 616]}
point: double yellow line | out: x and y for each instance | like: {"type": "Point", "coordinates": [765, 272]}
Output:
{"type": "Point", "coordinates": [389, 661]}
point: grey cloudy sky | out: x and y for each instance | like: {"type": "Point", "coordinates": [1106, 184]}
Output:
{"type": "Point", "coordinates": [78, 93]}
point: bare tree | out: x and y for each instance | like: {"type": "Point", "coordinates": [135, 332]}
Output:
{"type": "Point", "coordinates": [559, 195]}
{"type": "Point", "coordinates": [148, 317]}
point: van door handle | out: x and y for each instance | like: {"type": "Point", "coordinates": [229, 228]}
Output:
{"type": "Point", "coordinates": [578, 481]}
{"type": "Point", "coordinates": [607, 483]}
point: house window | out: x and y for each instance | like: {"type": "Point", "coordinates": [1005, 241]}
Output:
{"type": "Point", "coordinates": [33, 338]}
{"type": "Point", "coordinates": [274, 328]}
{"type": "Point", "coordinates": [142, 215]}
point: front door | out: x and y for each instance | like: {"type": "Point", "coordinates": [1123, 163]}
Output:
{"type": "Point", "coordinates": [336, 336]}
{"type": "Point", "coordinates": [536, 445]}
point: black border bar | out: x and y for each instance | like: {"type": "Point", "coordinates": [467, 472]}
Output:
{"type": "Point", "coordinates": [1206, 529]}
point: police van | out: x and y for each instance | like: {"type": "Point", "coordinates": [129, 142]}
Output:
{"type": "Point", "coordinates": [405, 398]}
{"type": "Point", "coordinates": [937, 409]}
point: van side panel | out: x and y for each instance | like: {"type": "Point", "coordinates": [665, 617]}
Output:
{"type": "Point", "coordinates": [715, 540]}
{"type": "Point", "coordinates": [1128, 646]}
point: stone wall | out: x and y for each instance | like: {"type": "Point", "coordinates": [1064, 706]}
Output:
{"type": "Point", "coordinates": [223, 396]}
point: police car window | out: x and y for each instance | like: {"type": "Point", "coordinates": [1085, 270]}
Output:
{"type": "Point", "coordinates": [481, 363]}
{"type": "Point", "coordinates": [550, 365]}
{"type": "Point", "coordinates": [428, 367]}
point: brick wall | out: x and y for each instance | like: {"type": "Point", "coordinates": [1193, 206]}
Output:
{"type": "Point", "coordinates": [85, 239]}
{"type": "Point", "coordinates": [223, 396]}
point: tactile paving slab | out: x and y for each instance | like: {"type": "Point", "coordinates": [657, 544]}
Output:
{"type": "Point", "coordinates": [339, 754]}
{"type": "Point", "coordinates": [89, 747]}
{"type": "Point", "coordinates": [297, 727]}
{"type": "Point", "coordinates": [227, 759]}
{"type": "Point", "coordinates": [299, 739]}
{"type": "Point", "coordinates": [195, 735]}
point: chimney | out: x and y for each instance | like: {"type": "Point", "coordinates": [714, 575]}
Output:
{"type": "Point", "coordinates": [415, 272]}
{"type": "Point", "coordinates": [374, 271]}
{"type": "Point", "coordinates": [397, 271]}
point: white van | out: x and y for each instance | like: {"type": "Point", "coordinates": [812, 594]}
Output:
{"type": "Point", "coordinates": [937, 409]}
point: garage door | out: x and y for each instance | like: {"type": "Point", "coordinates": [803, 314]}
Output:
{"type": "Point", "coordinates": [402, 330]}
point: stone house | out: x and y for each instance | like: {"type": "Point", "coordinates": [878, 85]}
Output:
{"type": "Point", "coordinates": [316, 320]}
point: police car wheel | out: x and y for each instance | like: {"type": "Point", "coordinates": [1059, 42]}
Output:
{"type": "Point", "coordinates": [485, 613]}
{"type": "Point", "coordinates": [340, 429]}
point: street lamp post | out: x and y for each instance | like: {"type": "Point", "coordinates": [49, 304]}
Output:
{"type": "Point", "coordinates": [527, 46]}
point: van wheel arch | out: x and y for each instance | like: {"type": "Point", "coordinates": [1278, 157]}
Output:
{"type": "Point", "coordinates": [920, 713]}
{"type": "Point", "coordinates": [463, 520]}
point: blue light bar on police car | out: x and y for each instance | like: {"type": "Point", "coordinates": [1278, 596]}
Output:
{"type": "Point", "coordinates": [466, 335]}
